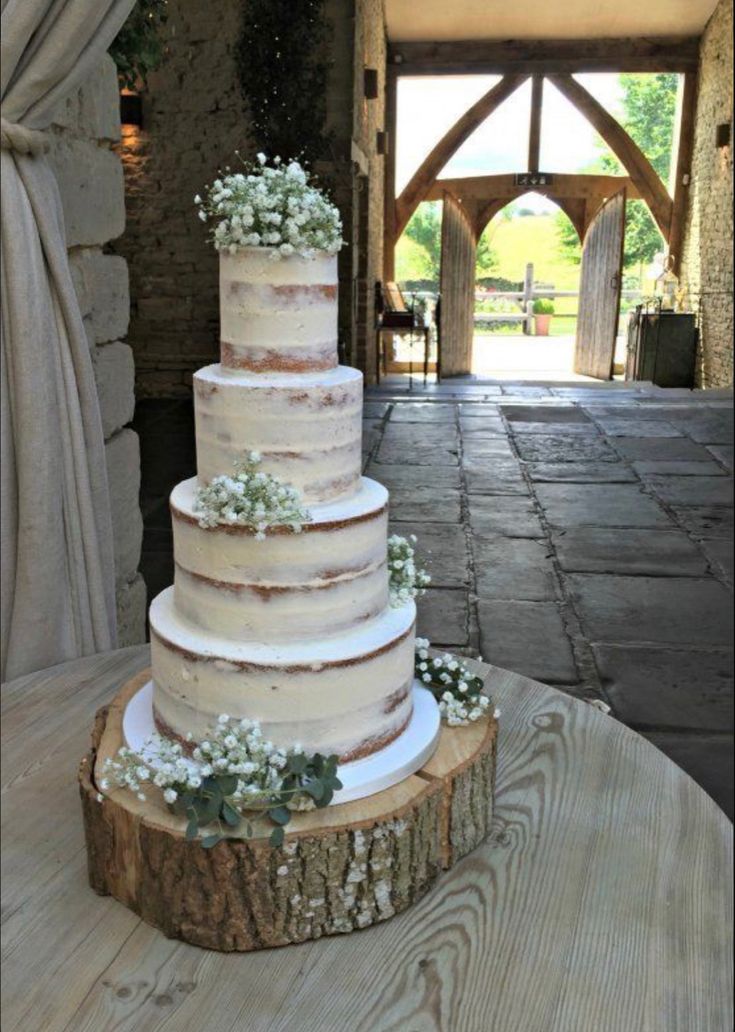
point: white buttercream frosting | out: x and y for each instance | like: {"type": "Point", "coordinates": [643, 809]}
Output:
{"type": "Point", "coordinates": [307, 428]}
{"type": "Point", "coordinates": [332, 695]}
{"type": "Point", "coordinates": [330, 577]}
{"type": "Point", "coordinates": [276, 312]}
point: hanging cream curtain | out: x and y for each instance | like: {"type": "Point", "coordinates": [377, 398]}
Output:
{"type": "Point", "coordinates": [58, 583]}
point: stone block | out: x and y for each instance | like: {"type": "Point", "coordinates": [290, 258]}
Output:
{"type": "Point", "coordinates": [658, 553]}
{"type": "Point", "coordinates": [600, 505]}
{"type": "Point", "coordinates": [706, 521]}
{"type": "Point", "coordinates": [482, 426]}
{"type": "Point", "coordinates": [637, 427]}
{"type": "Point", "coordinates": [131, 599]}
{"type": "Point", "coordinates": [551, 428]}
{"type": "Point", "coordinates": [101, 282]}
{"type": "Point", "coordinates": [517, 569]}
{"type": "Point", "coordinates": [657, 687]}
{"type": "Point", "coordinates": [403, 476]}
{"type": "Point", "coordinates": [723, 453]}
{"type": "Point", "coordinates": [501, 476]}
{"type": "Point", "coordinates": [441, 549]}
{"type": "Point", "coordinates": [719, 552]}
{"type": "Point", "coordinates": [93, 111]}
{"type": "Point", "coordinates": [511, 516]}
{"type": "Point", "coordinates": [567, 415]}
{"type": "Point", "coordinates": [583, 447]}
{"type": "Point", "coordinates": [664, 610]}
{"type": "Point", "coordinates": [122, 455]}
{"type": "Point", "coordinates": [580, 472]}
{"type": "Point", "coordinates": [660, 449]}
{"type": "Point", "coordinates": [678, 469]}
{"type": "Point", "coordinates": [423, 412]}
{"type": "Point", "coordinates": [91, 186]}
{"type": "Point", "coordinates": [692, 490]}
{"type": "Point", "coordinates": [443, 617]}
{"type": "Point", "coordinates": [487, 449]}
{"type": "Point", "coordinates": [114, 371]}
{"type": "Point", "coordinates": [420, 444]}
{"type": "Point", "coordinates": [528, 638]}
{"type": "Point", "coordinates": [425, 504]}
{"type": "Point", "coordinates": [708, 759]}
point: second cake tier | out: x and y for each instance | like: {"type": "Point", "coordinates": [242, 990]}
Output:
{"type": "Point", "coordinates": [327, 579]}
{"type": "Point", "coordinates": [307, 427]}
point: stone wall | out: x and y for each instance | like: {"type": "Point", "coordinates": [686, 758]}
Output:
{"type": "Point", "coordinates": [193, 120]}
{"type": "Point", "coordinates": [90, 178]}
{"type": "Point", "coordinates": [708, 239]}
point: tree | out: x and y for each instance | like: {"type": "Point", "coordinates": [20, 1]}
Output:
{"type": "Point", "coordinates": [487, 260]}
{"type": "Point", "coordinates": [649, 106]}
{"type": "Point", "coordinates": [569, 244]}
{"type": "Point", "coordinates": [425, 229]}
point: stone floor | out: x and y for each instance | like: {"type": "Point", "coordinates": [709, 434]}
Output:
{"type": "Point", "coordinates": [579, 534]}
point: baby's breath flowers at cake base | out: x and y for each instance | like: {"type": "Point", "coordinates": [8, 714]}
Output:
{"type": "Point", "coordinates": [250, 498]}
{"type": "Point", "coordinates": [405, 579]}
{"type": "Point", "coordinates": [235, 771]}
{"type": "Point", "coordinates": [458, 692]}
{"type": "Point", "coordinates": [274, 206]}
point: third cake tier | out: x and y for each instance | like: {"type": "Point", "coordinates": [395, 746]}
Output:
{"type": "Point", "coordinates": [329, 578]}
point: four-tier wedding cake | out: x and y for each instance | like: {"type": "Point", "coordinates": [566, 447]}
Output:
{"type": "Point", "coordinates": [292, 627]}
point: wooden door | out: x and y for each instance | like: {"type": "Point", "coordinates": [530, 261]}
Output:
{"type": "Point", "coordinates": [599, 290]}
{"type": "Point", "coordinates": [457, 287]}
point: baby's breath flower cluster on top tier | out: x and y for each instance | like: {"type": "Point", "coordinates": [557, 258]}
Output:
{"type": "Point", "coordinates": [406, 580]}
{"type": "Point", "coordinates": [250, 498]}
{"type": "Point", "coordinates": [456, 689]}
{"type": "Point", "coordinates": [270, 206]}
{"type": "Point", "coordinates": [234, 770]}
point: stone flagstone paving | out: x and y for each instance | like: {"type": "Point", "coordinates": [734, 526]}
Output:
{"type": "Point", "coordinates": [581, 535]}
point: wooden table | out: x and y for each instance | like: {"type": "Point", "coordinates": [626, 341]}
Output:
{"type": "Point", "coordinates": [600, 903]}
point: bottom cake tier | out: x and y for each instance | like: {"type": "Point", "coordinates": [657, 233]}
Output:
{"type": "Point", "coordinates": [348, 694]}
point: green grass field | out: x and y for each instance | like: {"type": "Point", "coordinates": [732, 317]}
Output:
{"type": "Point", "coordinates": [534, 238]}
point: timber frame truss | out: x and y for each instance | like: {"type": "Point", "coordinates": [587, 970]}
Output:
{"type": "Point", "coordinates": [580, 196]}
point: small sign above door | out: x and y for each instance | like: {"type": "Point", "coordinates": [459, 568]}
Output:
{"type": "Point", "coordinates": [533, 178]}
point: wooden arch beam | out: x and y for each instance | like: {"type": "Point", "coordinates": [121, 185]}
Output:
{"type": "Point", "coordinates": [634, 161]}
{"type": "Point", "coordinates": [423, 178]}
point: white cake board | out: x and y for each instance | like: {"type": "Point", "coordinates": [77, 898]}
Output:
{"type": "Point", "coordinates": [397, 761]}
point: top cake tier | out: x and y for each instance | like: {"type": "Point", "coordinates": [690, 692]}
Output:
{"type": "Point", "coordinates": [277, 316]}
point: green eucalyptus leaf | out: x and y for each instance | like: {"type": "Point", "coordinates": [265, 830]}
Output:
{"type": "Point", "coordinates": [192, 829]}
{"type": "Point", "coordinates": [297, 763]}
{"type": "Point", "coordinates": [279, 814]}
{"type": "Point", "coordinates": [276, 837]}
{"type": "Point", "coordinates": [230, 815]}
{"type": "Point", "coordinates": [227, 783]}
{"type": "Point", "coordinates": [315, 789]}
{"type": "Point", "coordinates": [211, 840]}
{"type": "Point", "coordinates": [325, 800]}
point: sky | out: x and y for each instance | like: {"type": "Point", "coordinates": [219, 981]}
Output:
{"type": "Point", "coordinates": [428, 106]}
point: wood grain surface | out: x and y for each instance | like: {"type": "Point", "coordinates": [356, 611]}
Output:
{"type": "Point", "coordinates": [601, 901]}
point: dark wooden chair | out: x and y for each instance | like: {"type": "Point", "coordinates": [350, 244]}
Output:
{"type": "Point", "coordinates": [394, 315]}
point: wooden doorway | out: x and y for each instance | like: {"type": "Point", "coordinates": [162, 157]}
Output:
{"type": "Point", "coordinates": [599, 290]}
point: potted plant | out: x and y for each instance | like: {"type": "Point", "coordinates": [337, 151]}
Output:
{"type": "Point", "coordinates": [543, 310]}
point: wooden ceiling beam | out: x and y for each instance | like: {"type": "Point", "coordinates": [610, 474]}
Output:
{"type": "Point", "coordinates": [682, 164]}
{"type": "Point", "coordinates": [632, 158]}
{"type": "Point", "coordinates": [423, 178]}
{"type": "Point", "coordinates": [544, 56]}
{"type": "Point", "coordinates": [503, 186]}
{"type": "Point", "coordinates": [534, 127]}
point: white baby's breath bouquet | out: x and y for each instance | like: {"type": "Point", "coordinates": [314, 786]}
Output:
{"type": "Point", "coordinates": [250, 498]}
{"type": "Point", "coordinates": [273, 206]}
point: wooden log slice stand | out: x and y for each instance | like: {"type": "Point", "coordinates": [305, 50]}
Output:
{"type": "Point", "coordinates": [342, 868]}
